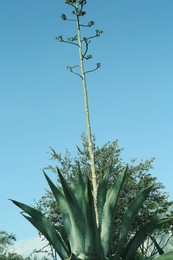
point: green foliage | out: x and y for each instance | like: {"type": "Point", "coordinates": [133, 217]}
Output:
{"type": "Point", "coordinates": [7, 240]}
{"type": "Point", "coordinates": [81, 238]}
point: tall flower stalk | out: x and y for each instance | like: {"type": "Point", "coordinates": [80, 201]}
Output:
{"type": "Point", "coordinates": [83, 46]}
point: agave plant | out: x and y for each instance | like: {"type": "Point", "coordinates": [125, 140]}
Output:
{"type": "Point", "coordinates": [87, 209]}
{"type": "Point", "coordinates": [82, 238]}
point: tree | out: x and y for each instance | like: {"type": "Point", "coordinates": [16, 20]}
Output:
{"type": "Point", "coordinates": [7, 240]}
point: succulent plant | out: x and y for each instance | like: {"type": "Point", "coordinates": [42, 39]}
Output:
{"type": "Point", "coordinates": [82, 238]}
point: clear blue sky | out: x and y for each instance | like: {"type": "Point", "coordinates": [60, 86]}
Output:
{"type": "Point", "coordinates": [41, 103]}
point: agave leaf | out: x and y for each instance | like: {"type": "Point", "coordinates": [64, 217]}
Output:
{"type": "Point", "coordinates": [62, 205]}
{"type": "Point", "coordinates": [109, 213]}
{"type": "Point", "coordinates": [72, 184]}
{"type": "Point", "coordinates": [45, 227]}
{"type": "Point", "coordinates": [76, 223]}
{"type": "Point", "coordinates": [82, 257]}
{"type": "Point", "coordinates": [167, 256]}
{"type": "Point", "coordinates": [93, 248]}
{"type": "Point", "coordinates": [102, 190]}
{"type": "Point", "coordinates": [129, 215]}
{"type": "Point", "coordinates": [139, 258]}
{"type": "Point", "coordinates": [56, 246]}
{"type": "Point", "coordinates": [141, 235]}
{"type": "Point", "coordinates": [79, 192]}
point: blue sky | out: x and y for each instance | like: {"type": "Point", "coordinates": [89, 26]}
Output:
{"type": "Point", "coordinates": [41, 103]}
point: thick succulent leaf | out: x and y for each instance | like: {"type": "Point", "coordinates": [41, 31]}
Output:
{"type": "Point", "coordinates": [80, 189]}
{"type": "Point", "coordinates": [62, 205]}
{"type": "Point", "coordinates": [93, 248]}
{"type": "Point", "coordinates": [45, 227]}
{"type": "Point", "coordinates": [82, 257]}
{"type": "Point", "coordinates": [140, 258]}
{"type": "Point", "coordinates": [129, 215]}
{"type": "Point", "coordinates": [167, 256]}
{"type": "Point", "coordinates": [59, 197]}
{"type": "Point", "coordinates": [102, 190]}
{"type": "Point", "coordinates": [141, 235]}
{"type": "Point", "coordinates": [72, 183]}
{"type": "Point", "coordinates": [55, 245]}
{"type": "Point", "coordinates": [109, 210]}
{"type": "Point", "coordinates": [76, 224]}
